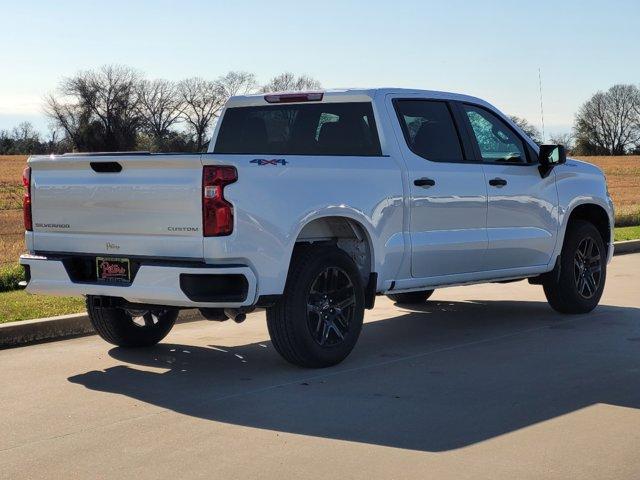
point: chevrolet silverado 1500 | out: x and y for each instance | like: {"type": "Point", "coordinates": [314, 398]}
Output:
{"type": "Point", "coordinates": [310, 204]}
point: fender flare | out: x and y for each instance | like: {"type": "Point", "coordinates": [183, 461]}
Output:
{"type": "Point", "coordinates": [336, 211]}
{"type": "Point", "coordinates": [566, 215]}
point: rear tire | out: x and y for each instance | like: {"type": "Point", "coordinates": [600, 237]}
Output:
{"type": "Point", "coordinates": [579, 284]}
{"type": "Point", "coordinates": [317, 322]}
{"type": "Point", "coordinates": [411, 297]}
{"type": "Point", "coordinates": [131, 328]}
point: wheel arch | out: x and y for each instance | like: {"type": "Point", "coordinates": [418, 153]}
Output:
{"type": "Point", "coordinates": [597, 215]}
{"type": "Point", "coordinates": [346, 232]}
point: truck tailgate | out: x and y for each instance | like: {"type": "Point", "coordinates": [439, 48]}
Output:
{"type": "Point", "coordinates": [121, 204]}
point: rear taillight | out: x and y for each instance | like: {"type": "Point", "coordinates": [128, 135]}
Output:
{"type": "Point", "coordinates": [26, 199]}
{"type": "Point", "coordinates": [217, 213]}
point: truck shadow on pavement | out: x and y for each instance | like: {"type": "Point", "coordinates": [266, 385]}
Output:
{"type": "Point", "coordinates": [443, 376]}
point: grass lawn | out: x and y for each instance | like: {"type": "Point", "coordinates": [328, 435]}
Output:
{"type": "Point", "coordinates": [18, 305]}
{"type": "Point", "coordinates": [627, 233]}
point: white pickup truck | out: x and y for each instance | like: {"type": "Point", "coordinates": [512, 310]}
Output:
{"type": "Point", "coordinates": [310, 204]}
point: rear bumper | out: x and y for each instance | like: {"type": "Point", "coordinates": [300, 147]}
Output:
{"type": "Point", "coordinates": [153, 284]}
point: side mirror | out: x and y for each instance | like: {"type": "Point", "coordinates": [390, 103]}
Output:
{"type": "Point", "coordinates": [549, 156]}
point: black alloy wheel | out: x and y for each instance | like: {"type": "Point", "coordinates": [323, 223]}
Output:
{"type": "Point", "coordinates": [587, 268]}
{"type": "Point", "coordinates": [330, 306]}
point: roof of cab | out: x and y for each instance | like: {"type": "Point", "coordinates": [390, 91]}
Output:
{"type": "Point", "coordinates": [356, 95]}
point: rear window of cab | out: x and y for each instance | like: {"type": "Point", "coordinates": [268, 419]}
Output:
{"type": "Point", "coordinates": [300, 129]}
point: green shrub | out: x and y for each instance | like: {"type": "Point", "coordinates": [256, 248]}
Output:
{"type": "Point", "coordinates": [627, 217]}
{"type": "Point", "coordinates": [10, 275]}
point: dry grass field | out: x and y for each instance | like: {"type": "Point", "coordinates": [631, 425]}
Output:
{"type": "Point", "coordinates": [11, 230]}
{"type": "Point", "coordinates": [623, 176]}
{"type": "Point", "coordinates": [623, 179]}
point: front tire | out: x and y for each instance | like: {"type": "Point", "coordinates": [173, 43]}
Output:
{"type": "Point", "coordinates": [317, 321]}
{"type": "Point", "coordinates": [411, 297]}
{"type": "Point", "coordinates": [131, 328]}
{"type": "Point", "coordinates": [579, 284]}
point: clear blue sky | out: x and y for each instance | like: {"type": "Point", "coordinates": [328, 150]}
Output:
{"type": "Point", "coordinates": [491, 49]}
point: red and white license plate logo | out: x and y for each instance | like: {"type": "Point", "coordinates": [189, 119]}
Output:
{"type": "Point", "coordinates": [116, 269]}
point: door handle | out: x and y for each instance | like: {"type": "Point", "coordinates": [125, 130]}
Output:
{"type": "Point", "coordinates": [424, 182]}
{"type": "Point", "coordinates": [497, 182]}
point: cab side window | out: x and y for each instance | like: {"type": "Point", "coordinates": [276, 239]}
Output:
{"type": "Point", "coordinates": [496, 141]}
{"type": "Point", "coordinates": [429, 130]}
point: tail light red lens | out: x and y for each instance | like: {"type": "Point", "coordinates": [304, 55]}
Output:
{"type": "Point", "coordinates": [217, 213]}
{"type": "Point", "coordinates": [26, 199]}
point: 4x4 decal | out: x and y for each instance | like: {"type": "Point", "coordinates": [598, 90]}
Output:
{"type": "Point", "coordinates": [264, 161]}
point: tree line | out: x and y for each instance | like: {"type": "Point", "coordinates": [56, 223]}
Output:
{"type": "Point", "coordinates": [114, 108]}
{"type": "Point", "coordinates": [606, 124]}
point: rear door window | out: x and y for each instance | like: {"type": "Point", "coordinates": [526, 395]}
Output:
{"type": "Point", "coordinates": [429, 130]}
{"type": "Point", "coordinates": [300, 129]}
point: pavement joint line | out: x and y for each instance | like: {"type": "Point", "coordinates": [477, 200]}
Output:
{"type": "Point", "coordinates": [314, 377]}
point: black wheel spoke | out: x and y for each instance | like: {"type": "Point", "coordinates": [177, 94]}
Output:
{"type": "Point", "coordinates": [335, 279]}
{"type": "Point", "coordinates": [346, 303]}
{"type": "Point", "coordinates": [142, 318]}
{"type": "Point", "coordinates": [343, 293]}
{"type": "Point", "coordinates": [337, 331]}
{"type": "Point", "coordinates": [313, 308]}
{"type": "Point", "coordinates": [342, 320]}
{"type": "Point", "coordinates": [326, 330]}
{"type": "Point", "coordinates": [148, 319]}
{"type": "Point", "coordinates": [580, 285]}
{"type": "Point", "coordinates": [328, 286]}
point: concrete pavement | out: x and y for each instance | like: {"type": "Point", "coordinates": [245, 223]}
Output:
{"type": "Point", "coordinates": [482, 382]}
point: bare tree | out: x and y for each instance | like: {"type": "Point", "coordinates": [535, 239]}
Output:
{"type": "Point", "coordinates": [160, 108]}
{"type": "Point", "coordinates": [201, 101]}
{"type": "Point", "coordinates": [531, 130]}
{"type": "Point", "coordinates": [98, 109]}
{"type": "Point", "coordinates": [20, 140]}
{"type": "Point", "coordinates": [113, 108]}
{"type": "Point", "coordinates": [289, 82]}
{"type": "Point", "coordinates": [236, 83]}
{"type": "Point", "coordinates": [609, 122]}
{"type": "Point", "coordinates": [565, 139]}
{"type": "Point", "coordinates": [68, 117]}
{"type": "Point", "coordinates": [25, 132]}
